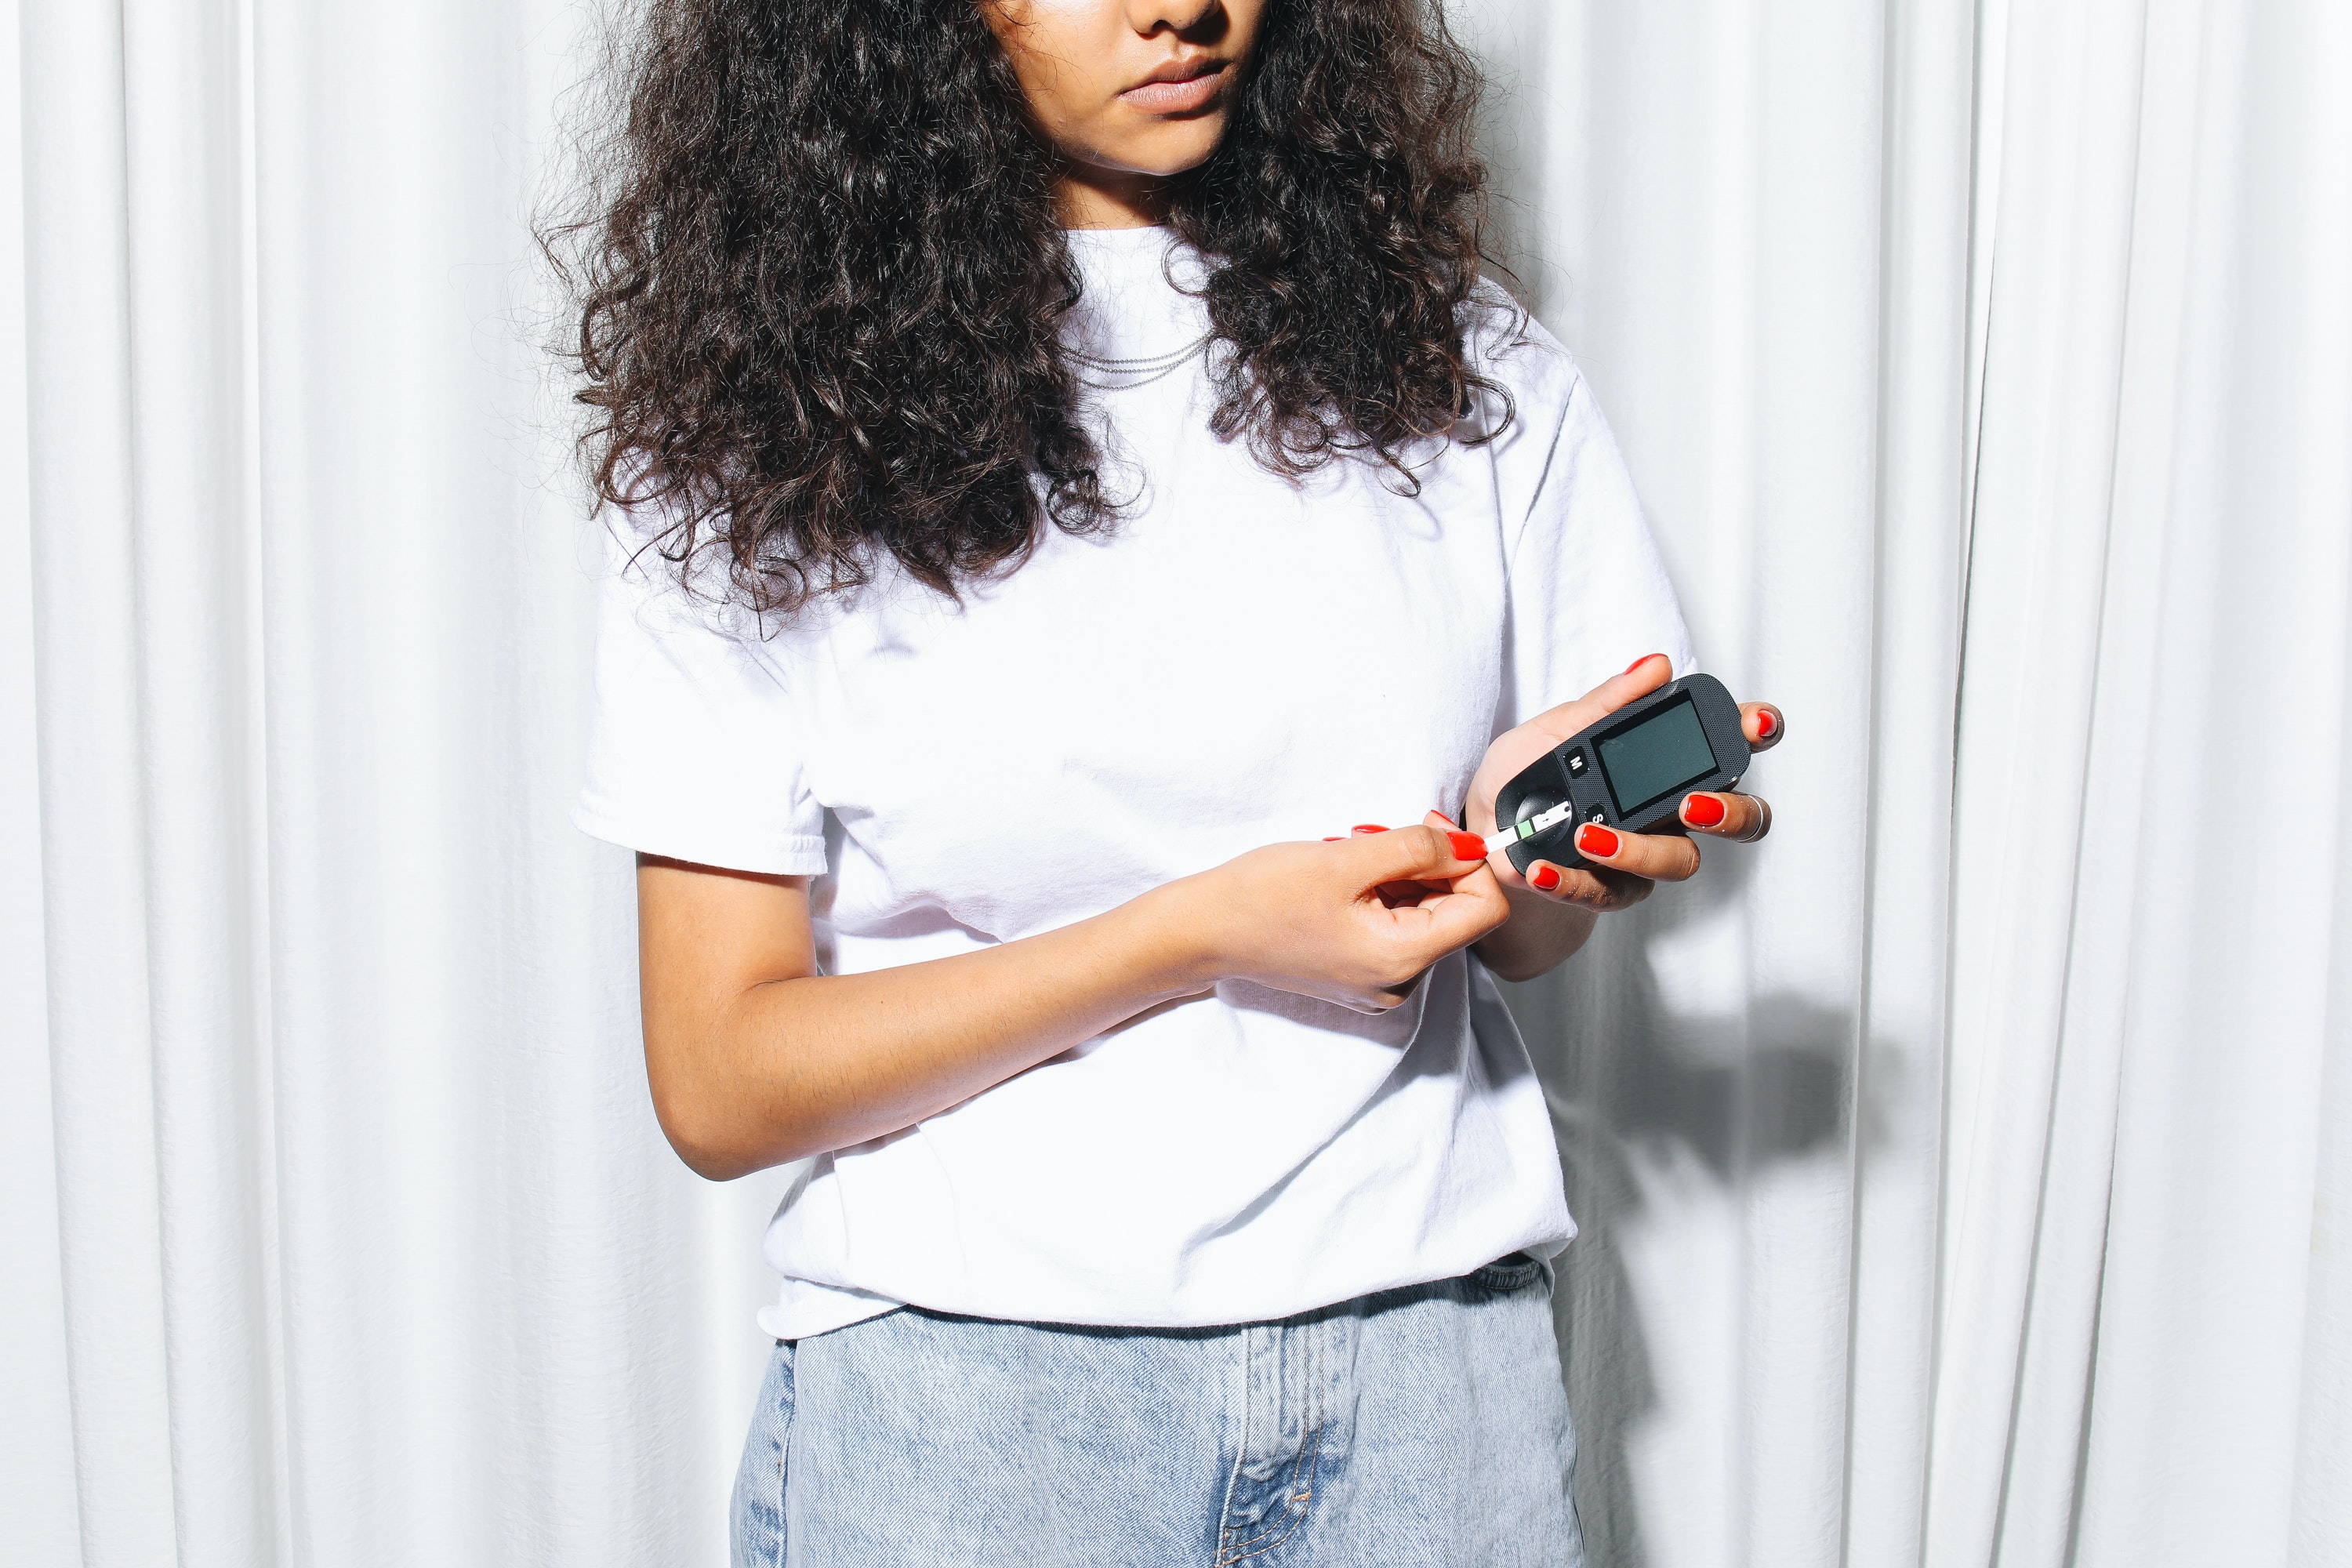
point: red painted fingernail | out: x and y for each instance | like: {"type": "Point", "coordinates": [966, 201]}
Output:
{"type": "Point", "coordinates": [1638, 663]}
{"type": "Point", "coordinates": [1596, 841]}
{"type": "Point", "coordinates": [1702, 810]}
{"type": "Point", "coordinates": [1546, 878]}
{"type": "Point", "coordinates": [1468, 845]}
{"type": "Point", "coordinates": [1442, 814]}
{"type": "Point", "coordinates": [1333, 838]}
{"type": "Point", "coordinates": [1765, 723]}
{"type": "Point", "coordinates": [1364, 828]}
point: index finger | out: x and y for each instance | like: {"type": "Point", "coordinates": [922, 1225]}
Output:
{"type": "Point", "coordinates": [1417, 853]}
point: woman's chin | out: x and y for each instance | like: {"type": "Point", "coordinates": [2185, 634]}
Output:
{"type": "Point", "coordinates": [1165, 149]}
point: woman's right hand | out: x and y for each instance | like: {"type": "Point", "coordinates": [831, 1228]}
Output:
{"type": "Point", "coordinates": [1355, 920]}
{"type": "Point", "coordinates": [756, 1057]}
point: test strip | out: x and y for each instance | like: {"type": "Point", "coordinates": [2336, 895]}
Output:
{"type": "Point", "coordinates": [1539, 823]}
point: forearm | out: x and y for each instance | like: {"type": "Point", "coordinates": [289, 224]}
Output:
{"type": "Point", "coordinates": [1540, 934]}
{"type": "Point", "coordinates": [800, 1065]}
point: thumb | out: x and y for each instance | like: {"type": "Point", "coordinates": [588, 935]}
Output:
{"type": "Point", "coordinates": [1639, 679]}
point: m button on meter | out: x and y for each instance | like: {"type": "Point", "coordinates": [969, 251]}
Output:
{"type": "Point", "coordinates": [1576, 764]}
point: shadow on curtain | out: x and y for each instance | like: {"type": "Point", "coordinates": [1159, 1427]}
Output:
{"type": "Point", "coordinates": [1966, 1173]}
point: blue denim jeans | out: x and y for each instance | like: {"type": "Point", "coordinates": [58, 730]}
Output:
{"type": "Point", "coordinates": [1413, 1427]}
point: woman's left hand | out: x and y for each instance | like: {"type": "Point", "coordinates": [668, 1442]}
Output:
{"type": "Point", "coordinates": [1625, 865]}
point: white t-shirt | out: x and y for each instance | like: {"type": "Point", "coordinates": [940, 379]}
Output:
{"type": "Point", "coordinates": [1242, 659]}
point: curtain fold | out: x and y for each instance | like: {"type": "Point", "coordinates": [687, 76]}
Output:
{"type": "Point", "coordinates": [2158, 590]}
{"type": "Point", "coordinates": [1964, 1173]}
{"type": "Point", "coordinates": [37, 1475]}
{"type": "Point", "coordinates": [2026, 1100]}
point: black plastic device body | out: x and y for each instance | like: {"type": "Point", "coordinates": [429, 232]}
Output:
{"type": "Point", "coordinates": [1630, 771]}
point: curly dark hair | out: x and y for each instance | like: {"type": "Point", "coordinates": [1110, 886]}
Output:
{"type": "Point", "coordinates": [820, 278]}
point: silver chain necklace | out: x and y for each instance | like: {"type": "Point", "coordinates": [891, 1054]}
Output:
{"type": "Point", "coordinates": [1123, 374]}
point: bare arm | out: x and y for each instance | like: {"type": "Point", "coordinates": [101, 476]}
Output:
{"type": "Point", "coordinates": [755, 1058]}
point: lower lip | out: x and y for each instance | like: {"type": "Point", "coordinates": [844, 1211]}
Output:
{"type": "Point", "coordinates": [1175, 96]}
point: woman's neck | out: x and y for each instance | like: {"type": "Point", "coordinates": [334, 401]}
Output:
{"type": "Point", "coordinates": [1089, 195]}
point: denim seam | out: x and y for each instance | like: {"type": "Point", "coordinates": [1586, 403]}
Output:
{"type": "Point", "coordinates": [784, 1460]}
{"type": "Point", "coordinates": [1230, 1545]}
{"type": "Point", "coordinates": [1310, 1455]}
{"type": "Point", "coordinates": [788, 1416]}
{"type": "Point", "coordinates": [1241, 1448]}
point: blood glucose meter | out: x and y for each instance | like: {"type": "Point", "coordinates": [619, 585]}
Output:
{"type": "Point", "coordinates": [1629, 771]}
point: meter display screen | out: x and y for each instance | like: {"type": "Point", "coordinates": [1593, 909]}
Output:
{"type": "Point", "coordinates": [1661, 755]}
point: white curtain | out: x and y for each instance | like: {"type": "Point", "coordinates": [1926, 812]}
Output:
{"type": "Point", "coordinates": [1967, 1173]}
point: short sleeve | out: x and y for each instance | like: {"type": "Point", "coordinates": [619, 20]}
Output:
{"type": "Point", "coordinates": [692, 748]}
{"type": "Point", "coordinates": [1589, 593]}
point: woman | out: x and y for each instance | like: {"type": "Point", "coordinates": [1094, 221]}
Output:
{"type": "Point", "coordinates": [1067, 463]}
